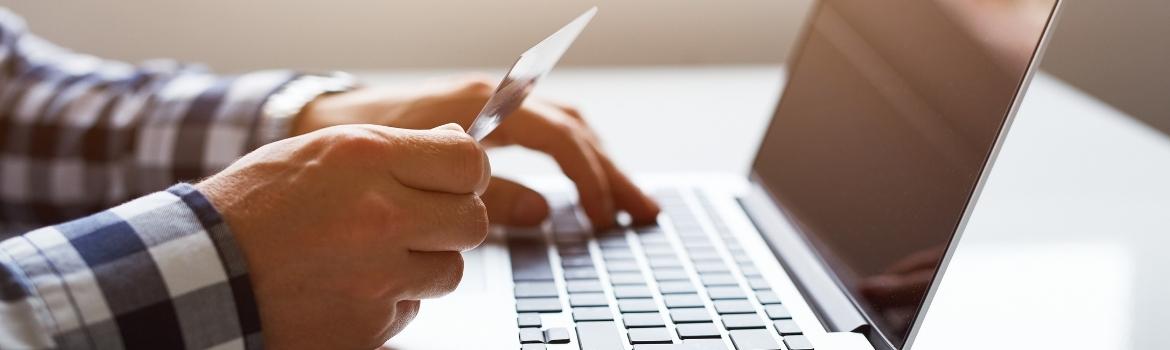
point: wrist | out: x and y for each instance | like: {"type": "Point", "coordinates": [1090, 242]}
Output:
{"type": "Point", "coordinates": [283, 112]}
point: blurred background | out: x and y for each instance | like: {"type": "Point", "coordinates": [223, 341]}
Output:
{"type": "Point", "coordinates": [1117, 50]}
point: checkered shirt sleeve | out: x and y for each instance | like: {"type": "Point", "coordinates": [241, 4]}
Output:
{"type": "Point", "coordinates": [159, 272]}
{"type": "Point", "coordinates": [79, 134]}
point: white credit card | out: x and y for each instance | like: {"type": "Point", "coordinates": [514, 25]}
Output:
{"type": "Point", "coordinates": [532, 66]}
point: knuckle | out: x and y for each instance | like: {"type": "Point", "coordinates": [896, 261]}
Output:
{"type": "Point", "coordinates": [455, 267]}
{"type": "Point", "coordinates": [563, 126]}
{"type": "Point", "coordinates": [470, 158]}
{"type": "Point", "coordinates": [480, 225]}
{"type": "Point", "coordinates": [572, 111]}
{"type": "Point", "coordinates": [348, 141]}
{"type": "Point", "coordinates": [476, 84]}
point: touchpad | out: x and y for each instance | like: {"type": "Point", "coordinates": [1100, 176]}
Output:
{"type": "Point", "coordinates": [483, 265]}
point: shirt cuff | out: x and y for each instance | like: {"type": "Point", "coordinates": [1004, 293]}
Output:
{"type": "Point", "coordinates": [162, 271]}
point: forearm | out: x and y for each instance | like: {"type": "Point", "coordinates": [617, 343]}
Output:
{"type": "Point", "coordinates": [162, 271]}
{"type": "Point", "coordinates": [79, 134]}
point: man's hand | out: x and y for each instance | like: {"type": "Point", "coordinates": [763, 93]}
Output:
{"type": "Point", "coordinates": [552, 128]}
{"type": "Point", "coordinates": [346, 228]}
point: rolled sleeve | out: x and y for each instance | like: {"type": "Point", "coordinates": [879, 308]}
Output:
{"type": "Point", "coordinates": [160, 272]}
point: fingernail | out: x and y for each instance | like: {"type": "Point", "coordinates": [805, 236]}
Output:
{"type": "Point", "coordinates": [529, 208]}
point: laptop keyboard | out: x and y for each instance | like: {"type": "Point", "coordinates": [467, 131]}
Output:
{"type": "Point", "coordinates": [674, 286]}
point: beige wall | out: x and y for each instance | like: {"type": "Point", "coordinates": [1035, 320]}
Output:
{"type": "Point", "coordinates": [251, 34]}
{"type": "Point", "coordinates": [1116, 49]}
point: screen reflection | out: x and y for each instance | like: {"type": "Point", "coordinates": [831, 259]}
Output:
{"type": "Point", "coordinates": [891, 110]}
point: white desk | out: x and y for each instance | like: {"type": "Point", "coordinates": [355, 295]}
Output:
{"type": "Point", "coordinates": [1067, 247]}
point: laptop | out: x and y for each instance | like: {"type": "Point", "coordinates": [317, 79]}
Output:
{"type": "Point", "coordinates": [892, 114]}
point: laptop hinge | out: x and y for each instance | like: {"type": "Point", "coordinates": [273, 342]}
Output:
{"type": "Point", "coordinates": [828, 300]}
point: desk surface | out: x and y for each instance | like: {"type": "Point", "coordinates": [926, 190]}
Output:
{"type": "Point", "coordinates": [1066, 248]}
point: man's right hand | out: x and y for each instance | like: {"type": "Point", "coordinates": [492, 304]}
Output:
{"type": "Point", "coordinates": [345, 229]}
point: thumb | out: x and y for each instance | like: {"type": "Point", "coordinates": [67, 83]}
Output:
{"type": "Point", "coordinates": [510, 203]}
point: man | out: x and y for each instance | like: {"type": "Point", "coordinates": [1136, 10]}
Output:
{"type": "Point", "coordinates": [327, 239]}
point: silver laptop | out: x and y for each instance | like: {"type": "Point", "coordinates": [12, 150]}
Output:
{"type": "Point", "coordinates": [838, 237]}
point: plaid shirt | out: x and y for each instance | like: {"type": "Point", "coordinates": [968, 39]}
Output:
{"type": "Point", "coordinates": [79, 134]}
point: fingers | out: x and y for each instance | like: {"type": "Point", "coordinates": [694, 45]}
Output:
{"type": "Point", "coordinates": [575, 158]}
{"type": "Point", "coordinates": [443, 159]}
{"type": "Point", "coordinates": [509, 203]}
{"type": "Point", "coordinates": [626, 195]}
{"type": "Point", "coordinates": [437, 222]}
{"type": "Point", "coordinates": [429, 274]}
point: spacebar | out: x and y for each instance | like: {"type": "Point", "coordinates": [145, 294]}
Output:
{"type": "Point", "coordinates": [599, 336]}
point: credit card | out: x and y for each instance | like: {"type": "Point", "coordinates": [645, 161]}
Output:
{"type": "Point", "coordinates": [529, 69]}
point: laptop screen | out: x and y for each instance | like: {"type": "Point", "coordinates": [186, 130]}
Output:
{"type": "Point", "coordinates": [890, 114]}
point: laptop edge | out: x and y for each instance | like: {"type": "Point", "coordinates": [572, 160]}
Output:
{"type": "Point", "coordinates": [837, 311]}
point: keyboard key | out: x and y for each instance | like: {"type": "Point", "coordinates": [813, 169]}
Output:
{"type": "Point", "coordinates": [565, 238]}
{"type": "Point", "coordinates": [529, 258]}
{"type": "Point", "coordinates": [658, 335]}
{"type": "Point", "coordinates": [728, 292]}
{"type": "Point", "coordinates": [694, 244]}
{"type": "Point", "coordinates": [797, 342]}
{"type": "Point", "coordinates": [742, 321]}
{"type": "Point", "coordinates": [592, 314]}
{"type": "Point", "coordinates": [691, 315]}
{"type": "Point", "coordinates": [624, 278]}
{"type": "Point", "coordinates": [622, 266]}
{"type": "Point", "coordinates": [662, 263]}
{"type": "Point", "coordinates": [767, 297]}
{"type": "Point", "coordinates": [578, 273]}
{"type": "Point", "coordinates": [574, 250]}
{"type": "Point", "coordinates": [533, 347]}
{"type": "Point", "coordinates": [577, 261]}
{"type": "Point", "coordinates": [697, 330]}
{"type": "Point", "coordinates": [583, 286]}
{"type": "Point", "coordinates": [531, 335]}
{"type": "Point", "coordinates": [758, 283]}
{"type": "Point", "coordinates": [528, 320]}
{"type": "Point", "coordinates": [637, 305]}
{"type": "Point", "coordinates": [639, 320]}
{"type": "Point", "coordinates": [719, 279]}
{"type": "Point", "coordinates": [753, 339]}
{"type": "Point", "coordinates": [627, 292]}
{"type": "Point", "coordinates": [683, 346]}
{"type": "Point", "coordinates": [734, 306]}
{"type": "Point", "coordinates": [706, 344]}
{"type": "Point", "coordinates": [705, 267]}
{"type": "Point", "coordinates": [777, 312]}
{"type": "Point", "coordinates": [556, 336]}
{"type": "Point", "coordinates": [657, 250]}
{"type": "Point", "coordinates": [599, 336]}
{"type": "Point", "coordinates": [588, 299]}
{"type": "Point", "coordinates": [703, 251]}
{"type": "Point", "coordinates": [613, 242]}
{"type": "Point", "coordinates": [787, 327]}
{"type": "Point", "coordinates": [535, 289]}
{"type": "Point", "coordinates": [648, 229]}
{"type": "Point", "coordinates": [749, 270]}
{"type": "Point", "coordinates": [623, 254]}
{"type": "Point", "coordinates": [674, 301]}
{"type": "Point", "coordinates": [706, 255]}
{"type": "Point", "coordinates": [676, 287]}
{"type": "Point", "coordinates": [743, 259]}
{"type": "Point", "coordinates": [671, 274]}
{"type": "Point", "coordinates": [538, 305]}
